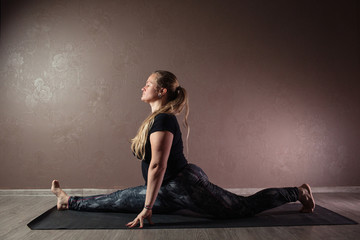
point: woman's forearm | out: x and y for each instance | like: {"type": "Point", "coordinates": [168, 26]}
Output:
{"type": "Point", "coordinates": [155, 177]}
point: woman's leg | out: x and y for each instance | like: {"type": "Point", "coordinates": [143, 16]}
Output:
{"type": "Point", "coordinates": [194, 193]}
{"type": "Point", "coordinates": [271, 198]}
{"type": "Point", "coordinates": [127, 200]}
{"type": "Point", "coordinates": [205, 198]}
{"type": "Point", "coordinates": [274, 197]}
{"type": "Point", "coordinates": [190, 192]}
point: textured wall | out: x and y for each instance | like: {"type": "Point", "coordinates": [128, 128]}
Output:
{"type": "Point", "coordinates": [274, 89]}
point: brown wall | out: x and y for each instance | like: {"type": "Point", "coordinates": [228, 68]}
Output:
{"type": "Point", "coordinates": [274, 89]}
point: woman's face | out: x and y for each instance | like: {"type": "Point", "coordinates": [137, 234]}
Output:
{"type": "Point", "coordinates": [150, 91]}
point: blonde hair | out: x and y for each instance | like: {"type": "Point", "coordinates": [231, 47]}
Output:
{"type": "Point", "coordinates": [177, 99]}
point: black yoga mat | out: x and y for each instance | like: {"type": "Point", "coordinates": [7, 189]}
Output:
{"type": "Point", "coordinates": [286, 215]}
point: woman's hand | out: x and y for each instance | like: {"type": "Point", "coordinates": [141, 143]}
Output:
{"type": "Point", "coordinates": [145, 214]}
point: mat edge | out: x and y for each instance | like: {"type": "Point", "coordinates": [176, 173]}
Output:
{"type": "Point", "coordinates": [32, 224]}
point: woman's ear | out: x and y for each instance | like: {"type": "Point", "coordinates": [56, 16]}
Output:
{"type": "Point", "coordinates": [163, 91]}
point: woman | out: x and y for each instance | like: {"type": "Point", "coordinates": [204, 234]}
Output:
{"type": "Point", "coordinates": [173, 185]}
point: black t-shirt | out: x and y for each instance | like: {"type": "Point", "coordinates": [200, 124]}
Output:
{"type": "Point", "coordinates": [177, 160]}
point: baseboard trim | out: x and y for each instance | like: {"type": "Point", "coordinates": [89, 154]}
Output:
{"type": "Point", "coordinates": [91, 191]}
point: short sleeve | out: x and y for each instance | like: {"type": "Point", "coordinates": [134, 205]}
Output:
{"type": "Point", "coordinates": [164, 122]}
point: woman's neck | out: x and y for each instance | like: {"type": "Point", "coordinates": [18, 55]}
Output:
{"type": "Point", "coordinates": [155, 106]}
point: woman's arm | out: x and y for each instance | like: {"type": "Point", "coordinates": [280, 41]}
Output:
{"type": "Point", "coordinates": [160, 150]}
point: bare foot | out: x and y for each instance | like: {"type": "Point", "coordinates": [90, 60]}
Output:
{"type": "Point", "coordinates": [62, 197]}
{"type": "Point", "coordinates": [306, 198]}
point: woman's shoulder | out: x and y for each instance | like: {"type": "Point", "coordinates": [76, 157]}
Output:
{"type": "Point", "coordinates": [165, 116]}
{"type": "Point", "coordinates": [165, 121]}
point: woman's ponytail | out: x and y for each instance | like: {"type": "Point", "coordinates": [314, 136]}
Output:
{"type": "Point", "coordinates": [182, 94]}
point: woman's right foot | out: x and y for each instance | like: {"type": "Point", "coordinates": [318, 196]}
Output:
{"type": "Point", "coordinates": [306, 198]}
{"type": "Point", "coordinates": [62, 197]}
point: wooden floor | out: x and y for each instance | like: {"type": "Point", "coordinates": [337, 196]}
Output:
{"type": "Point", "coordinates": [17, 211]}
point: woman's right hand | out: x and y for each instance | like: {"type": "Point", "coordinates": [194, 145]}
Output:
{"type": "Point", "coordinates": [145, 214]}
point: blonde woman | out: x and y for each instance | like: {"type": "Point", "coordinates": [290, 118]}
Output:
{"type": "Point", "coordinates": [172, 185]}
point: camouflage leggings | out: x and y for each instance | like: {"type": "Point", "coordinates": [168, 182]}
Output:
{"type": "Point", "coordinates": [189, 193]}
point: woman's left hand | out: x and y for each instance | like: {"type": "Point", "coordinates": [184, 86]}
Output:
{"type": "Point", "coordinates": [145, 214]}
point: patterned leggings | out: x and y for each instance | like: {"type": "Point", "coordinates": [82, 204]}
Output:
{"type": "Point", "coordinates": [189, 193]}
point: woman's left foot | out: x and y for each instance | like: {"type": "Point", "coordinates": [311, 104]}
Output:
{"type": "Point", "coordinates": [306, 198]}
{"type": "Point", "coordinates": [62, 197]}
